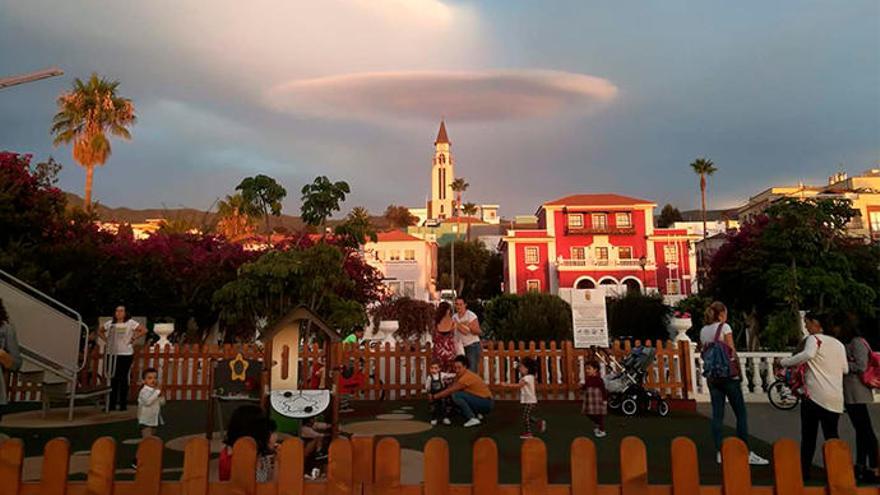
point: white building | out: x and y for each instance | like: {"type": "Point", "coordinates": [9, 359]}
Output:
{"type": "Point", "coordinates": [408, 264]}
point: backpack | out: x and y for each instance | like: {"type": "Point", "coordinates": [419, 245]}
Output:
{"type": "Point", "coordinates": [719, 361]}
{"type": "Point", "coordinates": [871, 376]}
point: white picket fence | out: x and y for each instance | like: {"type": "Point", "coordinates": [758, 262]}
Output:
{"type": "Point", "coordinates": [757, 369]}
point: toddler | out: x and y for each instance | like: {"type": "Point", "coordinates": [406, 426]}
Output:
{"type": "Point", "coordinates": [435, 382]}
{"type": "Point", "coordinates": [595, 404]}
{"type": "Point", "coordinates": [528, 397]}
{"type": "Point", "coordinates": [150, 402]}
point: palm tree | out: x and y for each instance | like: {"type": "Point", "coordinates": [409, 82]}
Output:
{"type": "Point", "coordinates": [469, 210]}
{"type": "Point", "coordinates": [703, 167]}
{"type": "Point", "coordinates": [86, 115]}
{"type": "Point", "coordinates": [459, 186]}
{"type": "Point", "coordinates": [234, 222]}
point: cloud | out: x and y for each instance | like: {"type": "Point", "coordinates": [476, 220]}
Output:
{"type": "Point", "coordinates": [484, 95]}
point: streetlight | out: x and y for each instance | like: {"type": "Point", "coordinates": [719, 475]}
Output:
{"type": "Point", "coordinates": [6, 82]}
{"type": "Point", "coordinates": [454, 238]}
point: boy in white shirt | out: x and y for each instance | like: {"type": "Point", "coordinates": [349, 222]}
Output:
{"type": "Point", "coordinates": [150, 402]}
{"type": "Point", "coordinates": [528, 397]}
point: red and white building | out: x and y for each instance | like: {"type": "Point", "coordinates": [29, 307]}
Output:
{"type": "Point", "coordinates": [587, 240]}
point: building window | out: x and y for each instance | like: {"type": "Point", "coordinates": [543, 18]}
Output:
{"type": "Point", "coordinates": [533, 285]}
{"type": "Point", "coordinates": [490, 214]}
{"type": "Point", "coordinates": [409, 289]}
{"type": "Point", "coordinates": [442, 158]}
{"type": "Point", "coordinates": [623, 220]}
{"type": "Point", "coordinates": [409, 254]}
{"type": "Point", "coordinates": [673, 287]}
{"type": "Point", "coordinates": [532, 255]}
{"type": "Point", "coordinates": [601, 255]}
{"type": "Point", "coordinates": [874, 218]}
{"type": "Point", "coordinates": [625, 253]}
{"type": "Point", "coordinates": [394, 255]}
{"type": "Point", "coordinates": [578, 253]}
{"type": "Point", "coordinates": [600, 221]}
{"type": "Point", "coordinates": [394, 288]}
{"type": "Point", "coordinates": [670, 253]}
{"type": "Point", "coordinates": [575, 221]}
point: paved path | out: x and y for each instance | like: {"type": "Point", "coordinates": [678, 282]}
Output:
{"type": "Point", "coordinates": [770, 424]}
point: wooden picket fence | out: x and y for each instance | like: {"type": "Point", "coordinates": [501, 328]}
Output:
{"type": "Point", "coordinates": [396, 373]}
{"type": "Point", "coordinates": [361, 466]}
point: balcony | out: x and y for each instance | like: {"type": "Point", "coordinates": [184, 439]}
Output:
{"type": "Point", "coordinates": [600, 230]}
{"type": "Point", "coordinates": [602, 264]}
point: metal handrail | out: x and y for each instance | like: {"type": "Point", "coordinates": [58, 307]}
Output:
{"type": "Point", "coordinates": [53, 304]}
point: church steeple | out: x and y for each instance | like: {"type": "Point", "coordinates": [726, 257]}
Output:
{"type": "Point", "coordinates": [441, 135]}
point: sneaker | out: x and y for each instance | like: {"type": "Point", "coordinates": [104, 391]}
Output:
{"type": "Point", "coordinates": [542, 426]}
{"type": "Point", "coordinates": [526, 436]}
{"type": "Point", "coordinates": [471, 422]}
{"type": "Point", "coordinates": [433, 422]}
{"type": "Point", "coordinates": [718, 457]}
{"type": "Point", "coordinates": [479, 416]}
{"type": "Point", "coordinates": [446, 421]}
{"type": "Point", "coordinates": [599, 433]}
{"type": "Point", "coordinates": [756, 460]}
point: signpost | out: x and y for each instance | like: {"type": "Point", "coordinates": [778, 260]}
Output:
{"type": "Point", "coordinates": [589, 320]}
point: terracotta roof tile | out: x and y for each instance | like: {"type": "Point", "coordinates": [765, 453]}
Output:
{"type": "Point", "coordinates": [604, 199]}
{"type": "Point", "coordinates": [396, 236]}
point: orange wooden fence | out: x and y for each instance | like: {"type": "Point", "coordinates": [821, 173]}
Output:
{"type": "Point", "coordinates": [396, 372]}
{"type": "Point", "coordinates": [362, 467]}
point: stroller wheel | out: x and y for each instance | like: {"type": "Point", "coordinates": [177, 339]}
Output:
{"type": "Point", "coordinates": [629, 407]}
{"type": "Point", "coordinates": [663, 408]}
{"type": "Point", "coordinates": [614, 401]}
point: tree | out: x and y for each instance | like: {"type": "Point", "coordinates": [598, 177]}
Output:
{"type": "Point", "coordinates": [357, 228]}
{"type": "Point", "coordinates": [527, 317]}
{"type": "Point", "coordinates": [86, 115]}
{"type": "Point", "coordinates": [703, 167]}
{"type": "Point", "coordinates": [320, 199]}
{"type": "Point", "coordinates": [638, 316]}
{"type": "Point", "coordinates": [476, 274]}
{"type": "Point", "coordinates": [797, 255]}
{"type": "Point", "coordinates": [262, 195]}
{"type": "Point", "coordinates": [459, 186]}
{"type": "Point", "coordinates": [469, 210]}
{"type": "Point", "coordinates": [414, 318]}
{"type": "Point", "coordinates": [399, 217]}
{"type": "Point", "coordinates": [320, 276]}
{"type": "Point", "coordinates": [668, 216]}
{"type": "Point", "coordinates": [234, 221]}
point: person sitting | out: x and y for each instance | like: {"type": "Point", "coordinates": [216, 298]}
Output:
{"type": "Point", "coordinates": [351, 380]}
{"type": "Point", "coordinates": [469, 393]}
{"type": "Point", "coordinates": [435, 382]}
{"type": "Point", "coordinates": [250, 421]}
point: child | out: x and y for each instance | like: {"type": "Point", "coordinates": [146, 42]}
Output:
{"type": "Point", "coordinates": [250, 421]}
{"type": "Point", "coordinates": [528, 397]}
{"type": "Point", "coordinates": [150, 402]}
{"type": "Point", "coordinates": [351, 380]}
{"type": "Point", "coordinates": [314, 435]}
{"type": "Point", "coordinates": [434, 383]}
{"type": "Point", "coordinates": [595, 404]}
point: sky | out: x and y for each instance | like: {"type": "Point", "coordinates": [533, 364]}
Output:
{"type": "Point", "coordinates": [541, 99]}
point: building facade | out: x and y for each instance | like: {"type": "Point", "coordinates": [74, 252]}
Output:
{"type": "Point", "coordinates": [408, 264]}
{"type": "Point", "coordinates": [587, 240]}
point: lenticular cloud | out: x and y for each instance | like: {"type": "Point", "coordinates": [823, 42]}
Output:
{"type": "Point", "coordinates": [463, 96]}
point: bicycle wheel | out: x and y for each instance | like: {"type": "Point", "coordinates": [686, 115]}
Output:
{"type": "Point", "coordinates": [781, 396]}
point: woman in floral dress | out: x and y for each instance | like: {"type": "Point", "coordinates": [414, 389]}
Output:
{"type": "Point", "coordinates": [443, 350]}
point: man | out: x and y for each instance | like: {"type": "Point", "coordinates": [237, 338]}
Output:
{"type": "Point", "coordinates": [355, 337]}
{"type": "Point", "coordinates": [467, 333]}
{"type": "Point", "coordinates": [469, 393]}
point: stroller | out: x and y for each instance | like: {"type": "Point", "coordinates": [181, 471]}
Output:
{"type": "Point", "coordinates": [624, 383]}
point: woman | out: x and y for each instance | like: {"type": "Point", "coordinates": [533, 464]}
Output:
{"type": "Point", "coordinates": [10, 355]}
{"type": "Point", "coordinates": [124, 331]}
{"type": "Point", "coordinates": [250, 421]}
{"type": "Point", "coordinates": [717, 331]}
{"type": "Point", "coordinates": [443, 339]}
{"type": "Point", "coordinates": [856, 397]}
{"type": "Point", "coordinates": [826, 363]}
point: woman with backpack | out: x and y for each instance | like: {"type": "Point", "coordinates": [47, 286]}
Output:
{"type": "Point", "coordinates": [856, 397]}
{"type": "Point", "coordinates": [825, 359]}
{"type": "Point", "coordinates": [721, 368]}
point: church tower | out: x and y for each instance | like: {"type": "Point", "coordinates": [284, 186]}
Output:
{"type": "Point", "coordinates": [442, 174]}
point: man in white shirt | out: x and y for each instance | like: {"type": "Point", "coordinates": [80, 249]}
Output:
{"type": "Point", "coordinates": [826, 362]}
{"type": "Point", "coordinates": [467, 333]}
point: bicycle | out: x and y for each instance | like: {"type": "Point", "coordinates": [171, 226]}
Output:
{"type": "Point", "coordinates": [782, 392]}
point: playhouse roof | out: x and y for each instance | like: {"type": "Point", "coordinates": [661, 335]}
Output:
{"type": "Point", "coordinates": [297, 314]}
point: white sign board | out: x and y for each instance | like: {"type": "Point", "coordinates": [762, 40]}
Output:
{"type": "Point", "coordinates": [589, 319]}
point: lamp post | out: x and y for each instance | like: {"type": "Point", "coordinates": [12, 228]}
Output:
{"type": "Point", "coordinates": [643, 260]}
{"type": "Point", "coordinates": [452, 270]}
